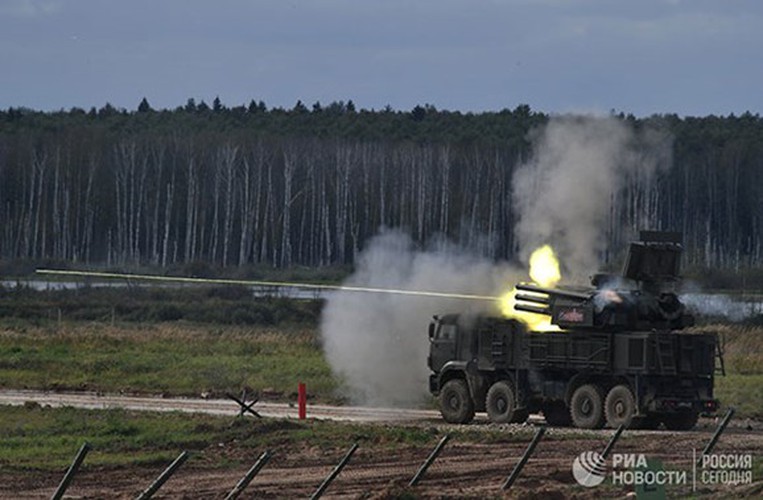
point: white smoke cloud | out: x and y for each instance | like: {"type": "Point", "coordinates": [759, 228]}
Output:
{"type": "Point", "coordinates": [735, 309]}
{"type": "Point", "coordinates": [563, 194]}
{"type": "Point", "coordinates": [377, 343]}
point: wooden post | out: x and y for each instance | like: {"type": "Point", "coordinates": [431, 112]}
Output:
{"type": "Point", "coordinates": [163, 477]}
{"type": "Point", "coordinates": [522, 461]}
{"type": "Point", "coordinates": [73, 468]}
{"type": "Point", "coordinates": [244, 482]}
{"type": "Point", "coordinates": [431, 458]}
{"type": "Point", "coordinates": [721, 427]}
{"type": "Point", "coordinates": [612, 441]}
{"type": "Point", "coordinates": [334, 473]}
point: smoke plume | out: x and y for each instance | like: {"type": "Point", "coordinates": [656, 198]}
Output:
{"type": "Point", "coordinates": [563, 195]}
{"type": "Point", "coordinates": [377, 343]}
{"type": "Point", "coordinates": [730, 308]}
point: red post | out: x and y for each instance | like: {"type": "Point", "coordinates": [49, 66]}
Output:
{"type": "Point", "coordinates": [302, 400]}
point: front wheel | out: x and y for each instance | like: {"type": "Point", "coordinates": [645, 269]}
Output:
{"type": "Point", "coordinates": [500, 403]}
{"type": "Point", "coordinates": [456, 404]}
{"type": "Point", "coordinates": [587, 407]}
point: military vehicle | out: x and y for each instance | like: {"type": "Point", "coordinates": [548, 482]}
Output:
{"type": "Point", "coordinates": [618, 358]}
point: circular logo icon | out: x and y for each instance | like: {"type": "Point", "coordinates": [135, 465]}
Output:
{"type": "Point", "coordinates": [589, 469]}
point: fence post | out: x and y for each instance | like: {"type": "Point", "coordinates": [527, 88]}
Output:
{"type": "Point", "coordinates": [163, 477]}
{"type": "Point", "coordinates": [244, 482]}
{"type": "Point", "coordinates": [73, 468]}
{"type": "Point", "coordinates": [612, 441]}
{"type": "Point", "coordinates": [431, 458]}
{"type": "Point", "coordinates": [334, 473]}
{"type": "Point", "coordinates": [721, 427]}
{"type": "Point", "coordinates": [522, 461]}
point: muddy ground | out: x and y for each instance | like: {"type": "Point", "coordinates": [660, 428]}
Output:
{"type": "Point", "coordinates": [464, 469]}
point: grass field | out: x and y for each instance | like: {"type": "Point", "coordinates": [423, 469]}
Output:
{"type": "Point", "coordinates": [213, 340]}
{"type": "Point", "coordinates": [188, 359]}
{"type": "Point", "coordinates": [742, 387]}
{"type": "Point", "coordinates": [171, 358]}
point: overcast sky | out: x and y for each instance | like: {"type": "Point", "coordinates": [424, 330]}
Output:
{"type": "Point", "coordinates": [691, 57]}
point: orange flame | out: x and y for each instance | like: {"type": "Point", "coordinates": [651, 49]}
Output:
{"type": "Point", "coordinates": [544, 271]}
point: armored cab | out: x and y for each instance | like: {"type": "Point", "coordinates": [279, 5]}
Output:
{"type": "Point", "coordinates": [618, 359]}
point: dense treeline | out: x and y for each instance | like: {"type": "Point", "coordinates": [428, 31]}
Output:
{"type": "Point", "coordinates": [249, 185]}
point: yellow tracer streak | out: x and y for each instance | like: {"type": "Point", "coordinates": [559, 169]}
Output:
{"type": "Point", "coordinates": [308, 286]}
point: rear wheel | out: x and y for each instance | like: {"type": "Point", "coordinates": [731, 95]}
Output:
{"type": "Point", "coordinates": [587, 407]}
{"type": "Point", "coordinates": [456, 404]}
{"type": "Point", "coordinates": [620, 406]}
{"type": "Point", "coordinates": [500, 404]}
{"type": "Point", "coordinates": [681, 421]}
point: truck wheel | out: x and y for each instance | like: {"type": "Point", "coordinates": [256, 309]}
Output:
{"type": "Point", "coordinates": [456, 404]}
{"type": "Point", "coordinates": [587, 407]}
{"type": "Point", "coordinates": [556, 414]}
{"type": "Point", "coordinates": [681, 421]}
{"type": "Point", "coordinates": [619, 406]}
{"type": "Point", "coordinates": [499, 403]}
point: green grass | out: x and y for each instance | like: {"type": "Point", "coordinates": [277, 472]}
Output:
{"type": "Point", "coordinates": [44, 438]}
{"type": "Point", "coordinates": [170, 358]}
{"type": "Point", "coordinates": [185, 358]}
{"type": "Point", "coordinates": [743, 357]}
{"type": "Point", "coordinates": [742, 392]}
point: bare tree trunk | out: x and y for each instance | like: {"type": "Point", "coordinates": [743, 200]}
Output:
{"type": "Point", "coordinates": [191, 208]}
{"type": "Point", "coordinates": [170, 191]}
{"type": "Point", "coordinates": [230, 157]}
{"type": "Point", "coordinates": [444, 189]}
{"type": "Point", "coordinates": [289, 161]}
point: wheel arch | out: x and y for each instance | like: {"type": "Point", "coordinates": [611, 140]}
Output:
{"type": "Point", "coordinates": [451, 370]}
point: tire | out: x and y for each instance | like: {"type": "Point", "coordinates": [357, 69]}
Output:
{"type": "Point", "coordinates": [557, 414]}
{"type": "Point", "coordinates": [619, 407]}
{"type": "Point", "coordinates": [456, 404]}
{"type": "Point", "coordinates": [681, 421]}
{"type": "Point", "coordinates": [587, 407]}
{"type": "Point", "coordinates": [500, 404]}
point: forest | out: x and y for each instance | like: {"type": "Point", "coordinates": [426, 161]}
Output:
{"type": "Point", "coordinates": [249, 185]}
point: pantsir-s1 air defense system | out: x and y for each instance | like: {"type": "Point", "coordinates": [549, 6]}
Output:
{"type": "Point", "coordinates": [619, 356]}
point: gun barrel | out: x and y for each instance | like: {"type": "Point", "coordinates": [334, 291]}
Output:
{"type": "Point", "coordinates": [537, 299]}
{"type": "Point", "coordinates": [532, 309]}
{"type": "Point", "coordinates": [530, 287]}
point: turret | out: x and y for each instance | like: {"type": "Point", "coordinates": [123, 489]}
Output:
{"type": "Point", "coordinates": [641, 298]}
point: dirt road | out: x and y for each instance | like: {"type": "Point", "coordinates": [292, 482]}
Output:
{"type": "Point", "coordinates": [211, 406]}
{"type": "Point", "coordinates": [466, 469]}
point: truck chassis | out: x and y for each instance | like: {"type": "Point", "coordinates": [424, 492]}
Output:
{"type": "Point", "coordinates": [583, 378]}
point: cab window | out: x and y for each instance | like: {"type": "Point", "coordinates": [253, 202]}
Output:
{"type": "Point", "coordinates": [446, 332]}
